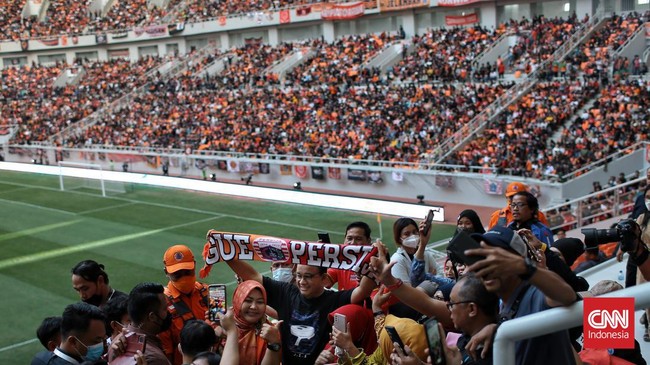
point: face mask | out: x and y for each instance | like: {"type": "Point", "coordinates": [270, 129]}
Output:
{"type": "Point", "coordinates": [464, 229]}
{"type": "Point", "coordinates": [94, 352]}
{"type": "Point", "coordinates": [284, 274]}
{"type": "Point", "coordinates": [185, 284]}
{"type": "Point", "coordinates": [166, 322]}
{"type": "Point", "coordinates": [411, 241]}
{"type": "Point", "coordinates": [647, 204]}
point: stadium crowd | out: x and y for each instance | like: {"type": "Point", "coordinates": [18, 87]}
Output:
{"type": "Point", "coordinates": [312, 314]}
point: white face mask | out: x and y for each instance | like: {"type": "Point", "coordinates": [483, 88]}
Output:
{"type": "Point", "coordinates": [647, 204]}
{"type": "Point", "coordinates": [411, 241]}
{"type": "Point", "coordinates": [283, 274]}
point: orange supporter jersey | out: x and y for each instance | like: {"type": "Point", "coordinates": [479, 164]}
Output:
{"type": "Point", "coordinates": [502, 215]}
{"type": "Point", "coordinates": [347, 279]}
{"type": "Point", "coordinates": [182, 308]}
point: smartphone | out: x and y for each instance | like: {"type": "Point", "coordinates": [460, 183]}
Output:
{"type": "Point", "coordinates": [134, 343]}
{"type": "Point", "coordinates": [427, 222]}
{"type": "Point", "coordinates": [394, 336]}
{"type": "Point", "coordinates": [217, 298]}
{"type": "Point", "coordinates": [339, 324]}
{"type": "Point", "coordinates": [434, 341]}
{"type": "Point", "coordinates": [457, 246]}
{"type": "Point", "coordinates": [324, 237]}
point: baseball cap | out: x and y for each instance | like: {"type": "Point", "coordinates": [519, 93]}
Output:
{"type": "Point", "coordinates": [503, 237]}
{"type": "Point", "coordinates": [515, 187]}
{"type": "Point", "coordinates": [178, 257]}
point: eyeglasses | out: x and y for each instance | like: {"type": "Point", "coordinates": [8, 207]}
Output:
{"type": "Point", "coordinates": [451, 304]}
{"type": "Point", "coordinates": [308, 277]}
{"type": "Point", "coordinates": [518, 205]}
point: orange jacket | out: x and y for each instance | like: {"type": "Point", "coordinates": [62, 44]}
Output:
{"type": "Point", "coordinates": [503, 217]}
{"type": "Point", "coordinates": [182, 308]}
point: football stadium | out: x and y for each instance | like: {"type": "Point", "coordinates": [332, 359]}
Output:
{"type": "Point", "coordinates": [298, 182]}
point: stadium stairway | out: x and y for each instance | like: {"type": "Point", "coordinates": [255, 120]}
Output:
{"type": "Point", "coordinates": [289, 62]}
{"type": "Point", "coordinates": [389, 56]}
{"type": "Point", "coordinates": [496, 49]}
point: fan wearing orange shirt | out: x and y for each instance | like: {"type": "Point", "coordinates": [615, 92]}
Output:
{"type": "Point", "coordinates": [356, 233]}
{"type": "Point", "coordinates": [503, 216]}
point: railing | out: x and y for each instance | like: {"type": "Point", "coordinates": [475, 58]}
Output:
{"type": "Point", "coordinates": [629, 39]}
{"type": "Point", "coordinates": [597, 206]}
{"type": "Point", "coordinates": [553, 320]}
{"type": "Point", "coordinates": [477, 59]}
{"type": "Point", "coordinates": [604, 160]}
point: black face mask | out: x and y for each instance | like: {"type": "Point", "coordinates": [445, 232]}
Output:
{"type": "Point", "coordinates": [95, 300]}
{"type": "Point", "coordinates": [166, 322]}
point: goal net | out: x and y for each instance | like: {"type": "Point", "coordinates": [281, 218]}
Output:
{"type": "Point", "coordinates": [87, 177]}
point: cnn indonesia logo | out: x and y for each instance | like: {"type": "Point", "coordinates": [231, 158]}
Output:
{"type": "Point", "coordinates": [608, 323]}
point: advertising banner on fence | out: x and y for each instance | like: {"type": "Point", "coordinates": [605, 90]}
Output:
{"type": "Point", "coordinates": [152, 31]}
{"type": "Point", "coordinates": [226, 246]}
{"type": "Point", "coordinates": [456, 2]}
{"type": "Point", "coordinates": [343, 11]}
{"type": "Point", "coordinates": [392, 5]}
{"type": "Point", "coordinates": [454, 20]}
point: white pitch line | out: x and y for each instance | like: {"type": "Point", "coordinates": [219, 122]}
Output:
{"type": "Point", "coordinates": [38, 207]}
{"type": "Point", "coordinates": [257, 220]}
{"type": "Point", "coordinates": [105, 208]}
{"type": "Point", "coordinates": [18, 344]}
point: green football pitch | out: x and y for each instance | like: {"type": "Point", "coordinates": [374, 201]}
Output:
{"type": "Point", "coordinates": [44, 232]}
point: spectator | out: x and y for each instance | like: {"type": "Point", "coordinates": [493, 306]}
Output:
{"type": "Point", "coordinates": [117, 316]}
{"type": "Point", "coordinates": [503, 217]}
{"type": "Point", "coordinates": [305, 304]}
{"type": "Point", "coordinates": [469, 221]}
{"type": "Point", "coordinates": [91, 282]}
{"type": "Point", "coordinates": [49, 334]}
{"type": "Point", "coordinates": [516, 278]}
{"type": "Point", "coordinates": [356, 233]}
{"type": "Point", "coordinates": [259, 340]}
{"type": "Point", "coordinates": [360, 328]}
{"type": "Point", "coordinates": [148, 311]}
{"type": "Point", "coordinates": [186, 298]}
{"type": "Point", "coordinates": [408, 238]}
{"type": "Point", "coordinates": [196, 337]}
{"type": "Point", "coordinates": [569, 249]}
{"type": "Point", "coordinates": [82, 335]}
{"type": "Point", "coordinates": [525, 210]}
{"type": "Point", "coordinates": [593, 257]}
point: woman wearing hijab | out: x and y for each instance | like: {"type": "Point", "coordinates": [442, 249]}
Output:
{"type": "Point", "coordinates": [411, 333]}
{"type": "Point", "coordinates": [360, 324]}
{"type": "Point", "coordinates": [259, 341]}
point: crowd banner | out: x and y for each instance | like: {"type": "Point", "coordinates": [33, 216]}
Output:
{"type": "Point", "coordinates": [152, 31]}
{"type": "Point", "coordinates": [392, 5]}
{"type": "Point", "coordinates": [227, 246]}
{"type": "Point", "coordinates": [343, 11]}
{"type": "Point", "coordinates": [51, 42]}
{"type": "Point", "coordinates": [455, 20]}
{"type": "Point", "coordinates": [456, 2]}
{"type": "Point", "coordinates": [493, 187]}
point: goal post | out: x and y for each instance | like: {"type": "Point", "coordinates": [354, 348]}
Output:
{"type": "Point", "coordinates": [86, 176]}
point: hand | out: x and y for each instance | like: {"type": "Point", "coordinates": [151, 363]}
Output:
{"type": "Point", "coordinates": [118, 345]}
{"type": "Point", "coordinates": [342, 339]}
{"type": "Point", "coordinates": [424, 238]}
{"type": "Point", "coordinates": [406, 357]}
{"type": "Point", "coordinates": [483, 339]}
{"type": "Point", "coordinates": [498, 262]}
{"type": "Point", "coordinates": [452, 354]}
{"type": "Point", "coordinates": [271, 332]}
{"type": "Point", "coordinates": [380, 298]}
{"type": "Point", "coordinates": [227, 320]}
{"type": "Point", "coordinates": [619, 255]}
{"type": "Point", "coordinates": [380, 266]}
{"type": "Point", "coordinates": [532, 240]}
{"type": "Point", "coordinates": [139, 358]}
{"type": "Point", "coordinates": [325, 357]}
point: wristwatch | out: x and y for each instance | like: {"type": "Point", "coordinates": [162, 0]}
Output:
{"type": "Point", "coordinates": [531, 269]}
{"type": "Point", "coordinates": [273, 346]}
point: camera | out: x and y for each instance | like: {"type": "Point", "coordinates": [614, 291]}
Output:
{"type": "Point", "coordinates": [626, 232]}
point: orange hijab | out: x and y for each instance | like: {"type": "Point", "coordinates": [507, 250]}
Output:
{"type": "Point", "coordinates": [252, 347]}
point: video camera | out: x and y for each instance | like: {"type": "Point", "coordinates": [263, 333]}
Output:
{"type": "Point", "coordinates": [626, 232]}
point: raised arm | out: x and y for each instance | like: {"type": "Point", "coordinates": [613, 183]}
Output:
{"type": "Point", "coordinates": [245, 270]}
{"type": "Point", "coordinates": [363, 291]}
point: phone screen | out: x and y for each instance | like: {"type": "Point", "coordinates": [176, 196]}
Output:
{"type": "Point", "coordinates": [427, 222]}
{"type": "Point", "coordinates": [217, 298]}
{"type": "Point", "coordinates": [394, 336]}
{"type": "Point", "coordinates": [457, 246]}
{"type": "Point", "coordinates": [434, 341]}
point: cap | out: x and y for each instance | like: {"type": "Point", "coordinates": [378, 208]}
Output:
{"type": "Point", "coordinates": [515, 187]}
{"type": "Point", "coordinates": [503, 237]}
{"type": "Point", "coordinates": [178, 257]}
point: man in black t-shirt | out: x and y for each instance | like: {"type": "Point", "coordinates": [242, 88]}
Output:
{"type": "Point", "coordinates": [304, 308]}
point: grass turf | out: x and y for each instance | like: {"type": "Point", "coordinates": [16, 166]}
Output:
{"type": "Point", "coordinates": [45, 231]}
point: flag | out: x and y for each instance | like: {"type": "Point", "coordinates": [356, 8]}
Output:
{"type": "Point", "coordinates": [265, 168]}
{"type": "Point", "coordinates": [334, 173]}
{"type": "Point", "coordinates": [285, 170]}
{"type": "Point", "coordinates": [301, 171]}
{"type": "Point", "coordinates": [397, 176]}
{"type": "Point", "coordinates": [445, 181]}
{"type": "Point", "coordinates": [222, 164]}
{"type": "Point", "coordinates": [233, 165]}
{"type": "Point", "coordinates": [317, 173]}
{"type": "Point", "coordinates": [493, 187]}
{"type": "Point", "coordinates": [378, 218]}
{"type": "Point", "coordinates": [357, 175]}
{"type": "Point", "coordinates": [285, 16]}
{"type": "Point", "coordinates": [374, 177]}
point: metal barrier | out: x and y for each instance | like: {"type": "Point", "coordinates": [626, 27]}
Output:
{"type": "Point", "coordinates": [553, 320]}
